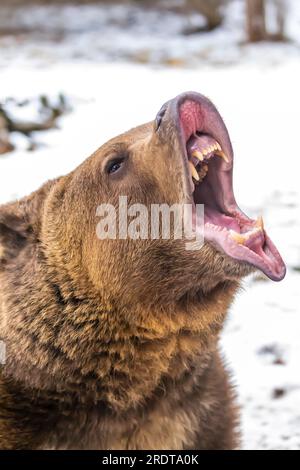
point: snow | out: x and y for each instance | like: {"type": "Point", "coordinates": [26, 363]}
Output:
{"type": "Point", "coordinates": [257, 92]}
{"type": "Point", "coordinates": [116, 32]}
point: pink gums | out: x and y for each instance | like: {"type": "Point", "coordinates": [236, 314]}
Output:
{"type": "Point", "coordinates": [191, 118]}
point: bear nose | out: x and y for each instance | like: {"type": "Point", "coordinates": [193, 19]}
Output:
{"type": "Point", "coordinates": [160, 115]}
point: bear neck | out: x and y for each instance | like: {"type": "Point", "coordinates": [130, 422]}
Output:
{"type": "Point", "coordinates": [84, 348]}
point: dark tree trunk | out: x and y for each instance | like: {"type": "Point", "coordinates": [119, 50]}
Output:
{"type": "Point", "coordinates": [256, 20]}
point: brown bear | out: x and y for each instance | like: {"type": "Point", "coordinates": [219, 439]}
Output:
{"type": "Point", "coordinates": [112, 343]}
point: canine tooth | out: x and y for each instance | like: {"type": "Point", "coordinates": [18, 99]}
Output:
{"type": "Point", "coordinates": [240, 239]}
{"type": "Point", "coordinates": [198, 154]}
{"type": "Point", "coordinates": [260, 223]}
{"type": "Point", "coordinates": [221, 154]}
{"type": "Point", "coordinates": [193, 171]}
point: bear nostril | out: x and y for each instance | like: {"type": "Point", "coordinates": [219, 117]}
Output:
{"type": "Point", "coordinates": [159, 118]}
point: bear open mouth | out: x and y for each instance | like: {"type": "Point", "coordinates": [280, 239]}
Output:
{"type": "Point", "coordinates": [209, 162]}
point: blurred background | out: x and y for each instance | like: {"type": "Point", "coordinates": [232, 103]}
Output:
{"type": "Point", "coordinates": [75, 73]}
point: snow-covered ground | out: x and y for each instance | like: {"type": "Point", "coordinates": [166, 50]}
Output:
{"type": "Point", "coordinates": [260, 104]}
{"type": "Point", "coordinates": [112, 33]}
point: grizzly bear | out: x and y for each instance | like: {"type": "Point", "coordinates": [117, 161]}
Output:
{"type": "Point", "coordinates": [112, 342]}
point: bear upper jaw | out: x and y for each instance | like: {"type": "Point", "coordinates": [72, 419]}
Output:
{"type": "Point", "coordinates": [207, 157]}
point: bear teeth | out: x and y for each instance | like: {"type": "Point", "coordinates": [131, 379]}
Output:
{"type": "Point", "coordinates": [194, 172]}
{"type": "Point", "coordinates": [242, 238]}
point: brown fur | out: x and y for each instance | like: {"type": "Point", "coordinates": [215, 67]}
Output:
{"type": "Point", "coordinates": [112, 344]}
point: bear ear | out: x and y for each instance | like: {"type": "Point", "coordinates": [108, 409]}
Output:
{"type": "Point", "coordinates": [20, 222]}
{"type": "Point", "coordinates": [14, 232]}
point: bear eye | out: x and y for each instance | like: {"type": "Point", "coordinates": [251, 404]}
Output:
{"type": "Point", "coordinates": [114, 165]}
